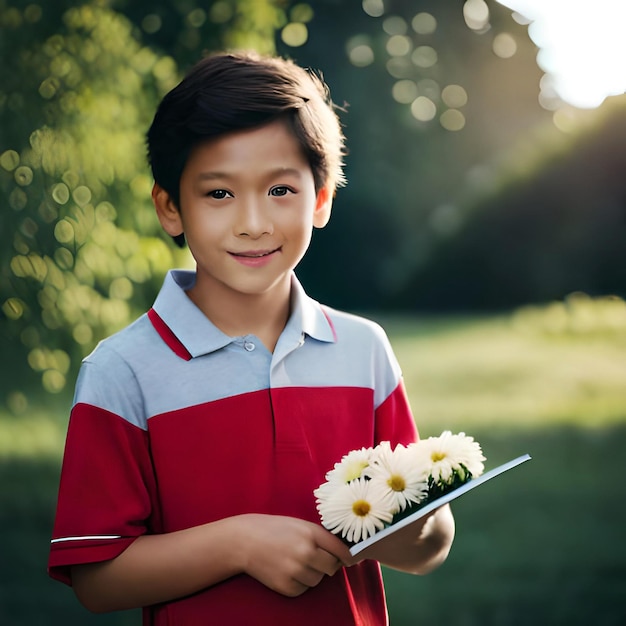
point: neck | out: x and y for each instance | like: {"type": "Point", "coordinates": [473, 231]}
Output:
{"type": "Point", "coordinates": [235, 314]}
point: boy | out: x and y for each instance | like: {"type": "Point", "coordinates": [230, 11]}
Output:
{"type": "Point", "coordinates": [199, 433]}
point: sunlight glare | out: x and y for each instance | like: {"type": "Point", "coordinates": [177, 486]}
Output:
{"type": "Point", "coordinates": [582, 46]}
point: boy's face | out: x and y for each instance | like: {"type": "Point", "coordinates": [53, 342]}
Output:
{"type": "Point", "coordinates": [247, 207]}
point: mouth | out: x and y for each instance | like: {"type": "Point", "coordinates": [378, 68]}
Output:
{"type": "Point", "coordinates": [254, 254]}
{"type": "Point", "coordinates": [255, 258]}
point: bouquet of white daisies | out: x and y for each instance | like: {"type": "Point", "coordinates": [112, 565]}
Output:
{"type": "Point", "coordinates": [372, 488]}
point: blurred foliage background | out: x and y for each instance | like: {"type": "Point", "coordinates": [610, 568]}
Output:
{"type": "Point", "coordinates": [465, 194]}
{"type": "Point", "coordinates": [484, 222]}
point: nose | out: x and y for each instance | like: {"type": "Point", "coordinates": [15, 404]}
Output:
{"type": "Point", "coordinates": [253, 220]}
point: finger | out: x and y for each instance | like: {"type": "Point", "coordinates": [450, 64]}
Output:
{"type": "Point", "coordinates": [326, 562]}
{"type": "Point", "coordinates": [331, 543]}
{"type": "Point", "coordinates": [293, 589]}
{"type": "Point", "coordinates": [309, 577]}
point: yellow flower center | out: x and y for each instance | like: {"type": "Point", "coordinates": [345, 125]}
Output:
{"type": "Point", "coordinates": [354, 470]}
{"type": "Point", "coordinates": [437, 456]}
{"type": "Point", "coordinates": [396, 483]}
{"type": "Point", "coordinates": [361, 508]}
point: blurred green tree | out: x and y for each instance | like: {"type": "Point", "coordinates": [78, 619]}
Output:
{"type": "Point", "coordinates": [82, 253]}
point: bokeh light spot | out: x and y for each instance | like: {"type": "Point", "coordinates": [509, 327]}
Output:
{"type": "Point", "coordinates": [360, 52]}
{"type": "Point", "coordinates": [37, 360]}
{"type": "Point", "coordinates": [11, 18]}
{"type": "Point", "coordinates": [452, 120]}
{"type": "Point", "coordinates": [64, 231]}
{"type": "Point", "coordinates": [454, 96]}
{"type": "Point", "coordinates": [196, 18]}
{"type": "Point", "coordinates": [9, 160]}
{"type": "Point", "coordinates": [18, 199]}
{"type": "Point", "coordinates": [105, 212]}
{"type": "Point", "coordinates": [164, 69]}
{"type": "Point", "coordinates": [138, 269]}
{"type": "Point", "coordinates": [144, 60]}
{"type": "Point", "coordinates": [565, 120]}
{"type": "Point", "coordinates": [430, 88]}
{"type": "Point", "coordinates": [17, 403]}
{"type": "Point", "coordinates": [51, 319]}
{"type": "Point", "coordinates": [476, 15]}
{"type": "Point", "coordinates": [53, 381]}
{"type": "Point", "coordinates": [424, 24]}
{"type": "Point", "coordinates": [295, 34]}
{"type": "Point", "coordinates": [28, 265]}
{"type": "Point", "coordinates": [114, 313]}
{"type": "Point", "coordinates": [81, 195]}
{"type": "Point", "coordinates": [504, 45]}
{"type": "Point", "coordinates": [424, 56]}
{"type": "Point", "coordinates": [60, 193]}
{"type": "Point", "coordinates": [400, 67]}
{"type": "Point", "coordinates": [47, 297]}
{"type": "Point", "coordinates": [374, 8]}
{"type": "Point", "coordinates": [70, 178]}
{"type": "Point", "coordinates": [301, 13]}
{"type": "Point", "coordinates": [395, 25]}
{"type": "Point", "coordinates": [29, 228]}
{"type": "Point", "coordinates": [404, 91]}
{"type": "Point", "coordinates": [140, 186]}
{"type": "Point", "coordinates": [121, 288]}
{"type": "Point", "coordinates": [64, 258]}
{"type": "Point", "coordinates": [423, 109]}
{"type": "Point", "coordinates": [49, 88]}
{"type": "Point", "coordinates": [13, 308]}
{"type": "Point", "coordinates": [152, 23]}
{"type": "Point", "coordinates": [399, 45]}
{"type": "Point", "coordinates": [82, 334]}
{"type": "Point", "coordinates": [60, 360]}
{"type": "Point", "coordinates": [48, 212]}
{"type": "Point", "coordinates": [19, 245]}
{"type": "Point", "coordinates": [23, 176]}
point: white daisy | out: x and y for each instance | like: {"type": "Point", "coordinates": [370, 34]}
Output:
{"type": "Point", "coordinates": [356, 510]}
{"type": "Point", "coordinates": [449, 455]}
{"type": "Point", "coordinates": [397, 474]}
{"type": "Point", "coordinates": [349, 468]}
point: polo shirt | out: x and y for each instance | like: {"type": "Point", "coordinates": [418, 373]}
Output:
{"type": "Point", "coordinates": [175, 424]}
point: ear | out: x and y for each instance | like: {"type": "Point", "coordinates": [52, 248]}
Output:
{"type": "Point", "coordinates": [167, 211]}
{"type": "Point", "coordinates": [323, 205]}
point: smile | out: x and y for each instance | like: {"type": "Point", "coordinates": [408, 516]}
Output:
{"type": "Point", "coordinates": [255, 258]}
{"type": "Point", "coordinates": [255, 254]}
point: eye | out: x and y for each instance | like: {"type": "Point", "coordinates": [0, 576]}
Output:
{"type": "Point", "coordinates": [218, 194]}
{"type": "Point", "coordinates": [280, 190]}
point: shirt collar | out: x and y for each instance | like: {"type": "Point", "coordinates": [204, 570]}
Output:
{"type": "Point", "coordinates": [200, 336]}
{"type": "Point", "coordinates": [308, 316]}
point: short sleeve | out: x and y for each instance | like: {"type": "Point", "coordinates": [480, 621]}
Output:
{"type": "Point", "coordinates": [394, 420]}
{"type": "Point", "coordinates": [107, 485]}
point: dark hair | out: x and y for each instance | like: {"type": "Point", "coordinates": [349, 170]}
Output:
{"type": "Point", "coordinates": [234, 91]}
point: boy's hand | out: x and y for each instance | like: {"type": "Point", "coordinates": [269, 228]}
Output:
{"type": "Point", "coordinates": [418, 548]}
{"type": "Point", "coordinates": [287, 554]}
{"type": "Point", "coordinates": [397, 542]}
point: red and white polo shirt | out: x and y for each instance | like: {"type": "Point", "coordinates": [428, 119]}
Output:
{"type": "Point", "coordinates": [175, 424]}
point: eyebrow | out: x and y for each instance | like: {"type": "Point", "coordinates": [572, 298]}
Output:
{"type": "Point", "coordinates": [274, 173]}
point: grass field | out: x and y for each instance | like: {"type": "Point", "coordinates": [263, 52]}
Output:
{"type": "Point", "coordinates": [541, 545]}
